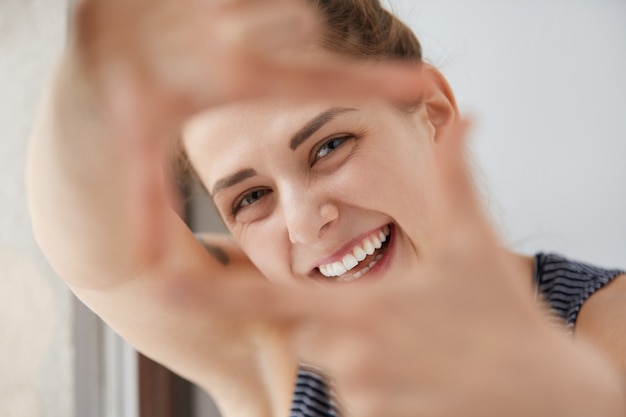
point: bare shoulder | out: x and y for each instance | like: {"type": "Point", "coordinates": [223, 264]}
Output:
{"type": "Point", "coordinates": [163, 314]}
{"type": "Point", "coordinates": [602, 320]}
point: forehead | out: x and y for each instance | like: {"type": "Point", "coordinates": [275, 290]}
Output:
{"type": "Point", "coordinates": [241, 119]}
{"type": "Point", "coordinates": [223, 138]}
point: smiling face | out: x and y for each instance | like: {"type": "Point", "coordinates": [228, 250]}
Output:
{"type": "Point", "coordinates": [329, 192]}
{"type": "Point", "coordinates": [333, 192]}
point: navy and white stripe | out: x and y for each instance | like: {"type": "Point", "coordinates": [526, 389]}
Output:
{"type": "Point", "coordinates": [312, 396]}
{"type": "Point", "coordinates": [565, 285]}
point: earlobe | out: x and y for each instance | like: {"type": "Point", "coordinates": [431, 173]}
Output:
{"type": "Point", "coordinates": [439, 99]}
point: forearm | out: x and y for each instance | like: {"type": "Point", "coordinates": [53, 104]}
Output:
{"type": "Point", "coordinates": [78, 185]}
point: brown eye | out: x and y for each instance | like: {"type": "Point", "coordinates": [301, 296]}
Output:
{"type": "Point", "coordinates": [249, 199]}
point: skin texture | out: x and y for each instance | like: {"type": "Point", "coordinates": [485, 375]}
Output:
{"type": "Point", "coordinates": [313, 207]}
{"type": "Point", "coordinates": [216, 252]}
{"type": "Point", "coordinates": [103, 214]}
{"type": "Point", "coordinates": [308, 211]}
{"type": "Point", "coordinates": [601, 319]}
{"type": "Point", "coordinates": [311, 212]}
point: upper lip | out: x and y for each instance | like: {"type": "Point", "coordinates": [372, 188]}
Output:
{"type": "Point", "coordinates": [345, 249]}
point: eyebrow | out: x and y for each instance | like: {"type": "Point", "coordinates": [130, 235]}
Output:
{"type": "Point", "coordinates": [297, 139]}
{"type": "Point", "coordinates": [233, 179]}
{"type": "Point", "coordinates": [316, 124]}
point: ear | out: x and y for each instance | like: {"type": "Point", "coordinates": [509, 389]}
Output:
{"type": "Point", "coordinates": [441, 108]}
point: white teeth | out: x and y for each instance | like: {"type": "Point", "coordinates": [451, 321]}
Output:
{"type": "Point", "coordinates": [376, 259]}
{"type": "Point", "coordinates": [349, 261]}
{"type": "Point", "coordinates": [361, 272]}
{"type": "Point", "coordinates": [339, 269]}
{"type": "Point", "coordinates": [367, 247]}
{"type": "Point", "coordinates": [327, 270]}
{"type": "Point", "coordinates": [359, 253]}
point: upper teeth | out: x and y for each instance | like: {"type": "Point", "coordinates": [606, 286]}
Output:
{"type": "Point", "coordinates": [367, 247]}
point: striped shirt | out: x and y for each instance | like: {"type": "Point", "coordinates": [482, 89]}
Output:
{"type": "Point", "coordinates": [312, 396]}
{"type": "Point", "coordinates": [565, 285]}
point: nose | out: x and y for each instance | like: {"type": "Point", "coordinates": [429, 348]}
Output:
{"type": "Point", "coordinates": [309, 215]}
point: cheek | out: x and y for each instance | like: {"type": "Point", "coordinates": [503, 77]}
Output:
{"type": "Point", "coordinates": [267, 247]}
{"type": "Point", "coordinates": [401, 184]}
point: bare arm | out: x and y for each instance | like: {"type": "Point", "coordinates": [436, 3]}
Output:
{"type": "Point", "coordinates": [79, 188]}
{"type": "Point", "coordinates": [82, 190]}
{"type": "Point", "coordinates": [97, 194]}
{"type": "Point", "coordinates": [602, 320]}
{"type": "Point", "coordinates": [76, 176]}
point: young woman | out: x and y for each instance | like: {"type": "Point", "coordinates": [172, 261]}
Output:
{"type": "Point", "coordinates": [335, 157]}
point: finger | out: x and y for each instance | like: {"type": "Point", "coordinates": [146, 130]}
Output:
{"type": "Point", "coordinates": [214, 53]}
{"type": "Point", "coordinates": [151, 194]}
{"type": "Point", "coordinates": [285, 302]}
{"type": "Point", "coordinates": [297, 303]}
{"type": "Point", "coordinates": [464, 228]}
{"type": "Point", "coordinates": [143, 138]}
{"type": "Point", "coordinates": [263, 25]}
{"type": "Point", "coordinates": [276, 52]}
{"type": "Point", "coordinates": [396, 81]}
{"type": "Point", "coordinates": [453, 165]}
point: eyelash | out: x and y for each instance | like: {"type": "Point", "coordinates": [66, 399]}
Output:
{"type": "Point", "coordinates": [315, 155]}
{"type": "Point", "coordinates": [237, 205]}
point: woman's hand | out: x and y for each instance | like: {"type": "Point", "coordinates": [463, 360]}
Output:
{"type": "Point", "coordinates": [464, 337]}
{"type": "Point", "coordinates": [190, 53]}
{"type": "Point", "coordinates": [151, 64]}
{"type": "Point", "coordinates": [148, 65]}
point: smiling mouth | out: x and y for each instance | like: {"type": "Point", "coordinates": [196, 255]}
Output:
{"type": "Point", "coordinates": [360, 260]}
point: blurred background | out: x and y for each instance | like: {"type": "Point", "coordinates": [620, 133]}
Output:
{"type": "Point", "coordinates": [543, 80]}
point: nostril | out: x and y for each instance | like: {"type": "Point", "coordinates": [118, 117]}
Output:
{"type": "Point", "coordinates": [328, 214]}
{"type": "Point", "coordinates": [323, 230]}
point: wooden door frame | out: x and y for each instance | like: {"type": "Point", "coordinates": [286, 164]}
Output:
{"type": "Point", "coordinates": [161, 392]}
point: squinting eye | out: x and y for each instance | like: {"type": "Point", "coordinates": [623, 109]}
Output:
{"type": "Point", "coordinates": [330, 146]}
{"type": "Point", "coordinates": [249, 198]}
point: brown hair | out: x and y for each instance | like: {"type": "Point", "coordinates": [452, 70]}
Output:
{"type": "Point", "coordinates": [360, 29]}
{"type": "Point", "coordinates": [364, 29]}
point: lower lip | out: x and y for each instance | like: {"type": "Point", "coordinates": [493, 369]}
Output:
{"type": "Point", "coordinates": [375, 272]}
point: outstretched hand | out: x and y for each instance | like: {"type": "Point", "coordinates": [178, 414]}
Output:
{"type": "Point", "coordinates": [150, 65]}
{"type": "Point", "coordinates": [462, 337]}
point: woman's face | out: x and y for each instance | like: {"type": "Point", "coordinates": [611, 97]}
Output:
{"type": "Point", "coordinates": [329, 192]}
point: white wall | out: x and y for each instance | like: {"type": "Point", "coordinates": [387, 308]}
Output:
{"type": "Point", "coordinates": [35, 324]}
{"type": "Point", "coordinates": [544, 80]}
{"type": "Point", "coordinates": [545, 83]}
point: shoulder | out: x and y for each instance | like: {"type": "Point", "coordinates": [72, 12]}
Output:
{"type": "Point", "coordinates": [591, 299]}
{"type": "Point", "coordinates": [602, 320]}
